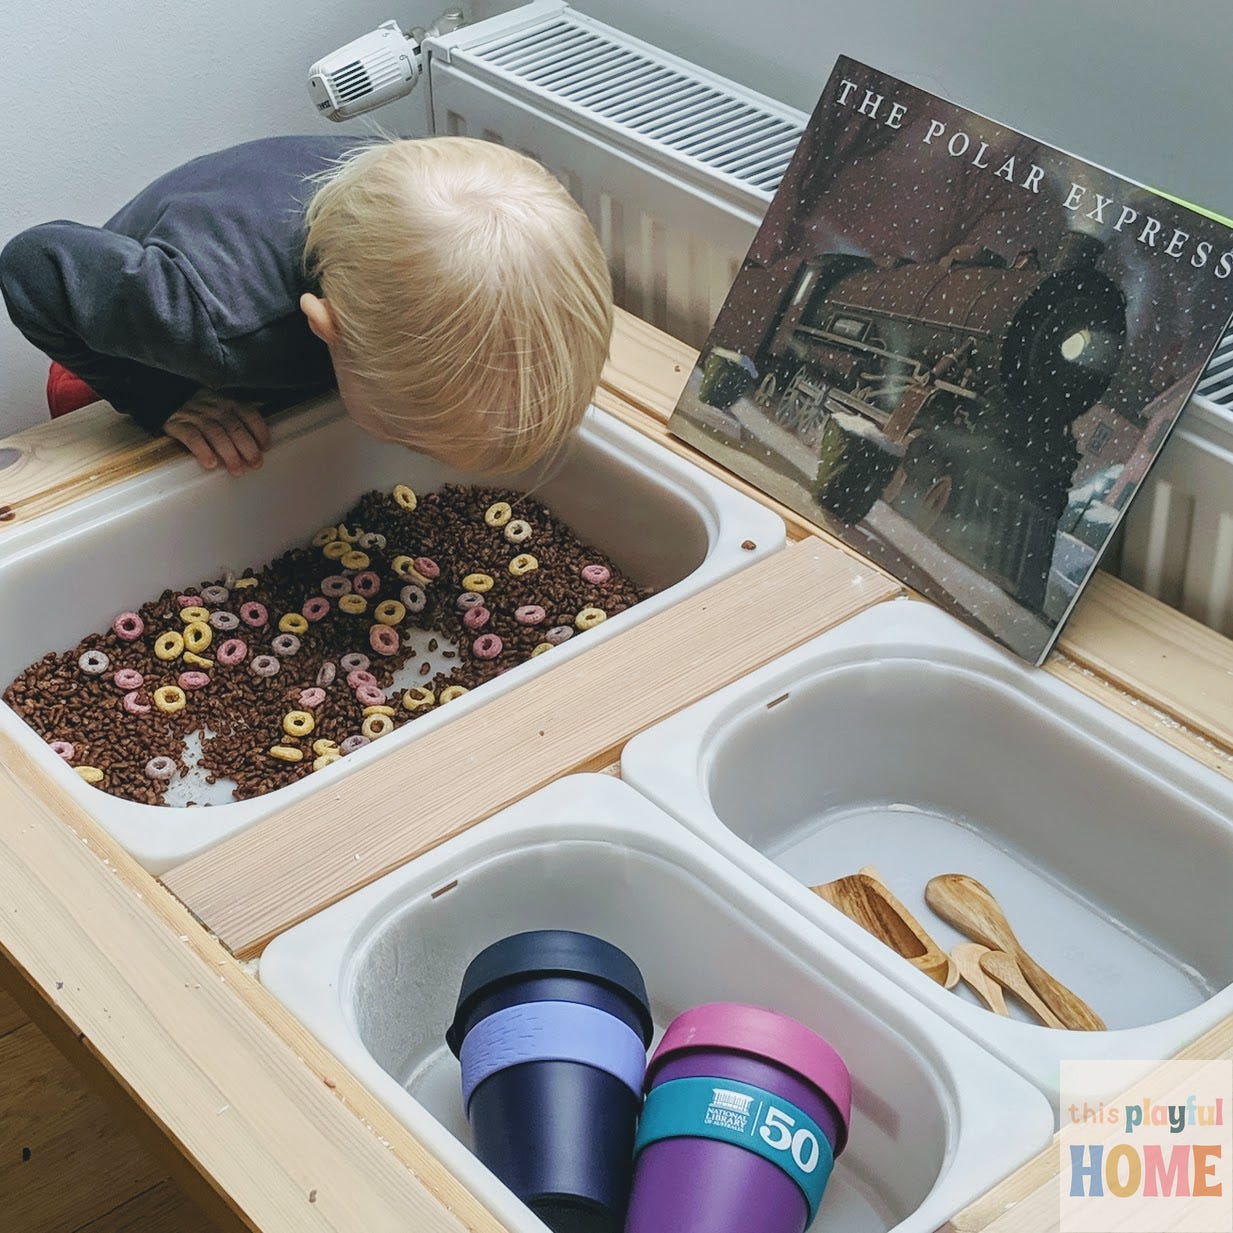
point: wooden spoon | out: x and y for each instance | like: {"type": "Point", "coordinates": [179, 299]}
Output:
{"type": "Point", "coordinates": [952, 972]}
{"type": "Point", "coordinates": [968, 905]}
{"type": "Point", "coordinates": [966, 957]}
{"type": "Point", "coordinates": [867, 900]}
{"type": "Point", "coordinates": [1003, 968]}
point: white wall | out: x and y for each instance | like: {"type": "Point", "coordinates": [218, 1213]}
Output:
{"type": "Point", "coordinates": [101, 96]}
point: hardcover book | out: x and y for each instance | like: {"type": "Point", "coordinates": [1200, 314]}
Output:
{"type": "Point", "coordinates": [959, 349]}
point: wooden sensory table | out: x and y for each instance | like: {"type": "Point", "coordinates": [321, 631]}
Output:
{"type": "Point", "coordinates": [144, 983]}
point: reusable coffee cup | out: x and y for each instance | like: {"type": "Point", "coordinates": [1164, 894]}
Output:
{"type": "Point", "coordinates": [552, 1029]}
{"type": "Point", "coordinates": [746, 1111]}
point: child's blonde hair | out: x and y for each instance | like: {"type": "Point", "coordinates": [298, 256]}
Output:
{"type": "Point", "coordinates": [470, 292]}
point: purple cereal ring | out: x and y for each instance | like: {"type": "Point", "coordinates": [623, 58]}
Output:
{"type": "Point", "coordinates": [310, 698]}
{"type": "Point", "coordinates": [335, 585]}
{"type": "Point", "coordinates": [265, 665]}
{"type": "Point", "coordinates": [487, 646]}
{"type": "Point", "coordinates": [224, 622]}
{"type": "Point", "coordinates": [161, 768]}
{"type": "Point", "coordinates": [326, 674]}
{"type": "Point", "coordinates": [189, 601]}
{"type": "Point", "coordinates": [128, 626]}
{"type": "Point", "coordinates": [192, 680]}
{"type": "Point", "coordinates": [358, 676]}
{"type": "Point", "coordinates": [233, 651]}
{"type": "Point", "coordinates": [426, 567]}
{"type": "Point", "coordinates": [354, 660]}
{"type": "Point", "coordinates": [414, 598]}
{"type": "Point", "coordinates": [64, 749]}
{"type": "Point", "coordinates": [316, 608]}
{"type": "Point", "coordinates": [597, 575]}
{"type": "Point", "coordinates": [529, 614]}
{"type": "Point", "coordinates": [285, 644]}
{"type": "Point", "coordinates": [128, 679]}
{"type": "Point", "coordinates": [384, 640]}
{"type": "Point", "coordinates": [468, 599]}
{"type": "Point", "coordinates": [254, 614]}
{"type": "Point", "coordinates": [558, 634]}
{"type": "Point", "coordinates": [370, 695]}
{"type": "Point", "coordinates": [133, 704]}
{"type": "Point", "coordinates": [477, 617]}
{"type": "Point", "coordinates": [93, 663]}
{"type": "Point", "coordinates": [352, 743]}
{"type": "Point", "coordinates": [367, 583]}
{"type": "Point", "coordinates": [215, 595]}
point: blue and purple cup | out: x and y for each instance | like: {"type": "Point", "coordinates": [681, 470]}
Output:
{"type": "Point", "coordinates": [552, 1029]}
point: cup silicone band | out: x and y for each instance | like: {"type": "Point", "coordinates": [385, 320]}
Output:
{"type": "Point", "coordinates": [551, 1032]}
{"type": "Point", "coordinates": [745, 1116]}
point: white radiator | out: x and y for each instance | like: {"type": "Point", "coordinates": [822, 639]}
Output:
{"type": "Point", "coordinates": [676, 167]}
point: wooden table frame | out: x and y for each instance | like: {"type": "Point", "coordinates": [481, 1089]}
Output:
{"type": "Point", "coordinates": [146, 989]}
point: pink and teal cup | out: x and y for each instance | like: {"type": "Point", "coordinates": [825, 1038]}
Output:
{"type": "Point", "coordinates": [746, 1111]}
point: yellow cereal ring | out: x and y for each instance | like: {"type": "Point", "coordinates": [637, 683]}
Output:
{"type": "Point", "coordinates": [321, 761]}
{"type": "Point", "coordinates": [336, 549]}
{"type": "Point", "coordinates": [169, 645]}
{"type": "Point", "coordinates": [389, 612]}
{"type": "Point", "coordinates": [91, 774]}
{"type": "Point", "coordinates": [589, 618]}
{"type": "Point", "coordinates": [498, 514]}
{"type": "Point", "coordinates": [286, 753]}
{"type": "Point", "coordinates": [246, 582]}
{"type": "Point", "coordinates": [404, 567]}
{"type": "Point", "coordinates": [197, 636]}
{"type": "Point", "coordinates": [523, 563]}
{"type": "Point", "coordinates": [292, 623]}
{"type": "Point", "coordinates": [298, 723]}
{"type": "Point", "coordinates": [354, 560]}
{"type": "Point", "coordinates": [541, 648]}
{"type": "Point", "coordinates": [417, 696]}
{"type": "Point", "coordinates": [169, 699]}
{"type": "Point", "coordinates": [378, 710]}
{"type": "Point", "coordinates": [354, 604]}
{"type": "Point", "coordinates": [376, 726]}
{"type": "Point", "coordinates": [450, 692]}
{"type": "Point", "coordinates": [348, 537]}
{"type": "Point", "coordinates": [405, 497]}
{"type": "Point", "coordinates": [518, 531]}
{"type": "Point", "coordinates": [197, 661]}
{"type": "Point", "coordinates": [194, 613]}
{"type": "Point", "coordinates": [325, 536]}
{"type": "Point", "coordinates": [323, 745]}
{"type": "Point", "coordinates": [478, 583]}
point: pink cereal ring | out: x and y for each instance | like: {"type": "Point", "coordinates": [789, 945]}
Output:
{"type": "Point", "coordinates": [233, 651]}
{"type": "Point", "coordinates": [487, 646]}
{"type": "Point", "coordinates": [312, 697]}
{"type": "Point", "coordinates": [367, 583]}
{"type": "Point", "coordinates": [316, 608]}
{"type": "Point", "coordinates": [189, 601]}
{"type": "Point", "coordinates": [469, 599]}
{"type": "Point", "coordinates": [558, 634]}
{"type": "Point", "coordinates": [326, 673]}
{"type": "Point", "coordinates": [426, 567]}
{"type": "Point", "coordinates": [357, 677]}
{"type": "Point", "coordinates": [265, 665]}
{"type": "Point", "coordinates": [596, 574]}
{"type": "Point", "coordinates": [64, 749]}
{"type": "Point", "coordinates": [127, 679]}
{"type": "Point", "coordinates": [477, 617]}
{"type": "Point", "coordinates": [335, 585]}
{"type": "Point", "coordinates": [224, 622]}
{"type": "Point", "coordinates": [254, 614]}
{"type": "Point", "coordinates": [353, 660]}
{"type": "Point", "coordinates": [133, 704]}
{"type": "Point", "coordinates": [370, 695]}
{"type": "Point", "coordinates": [128, 626]}
{"type": "Point", "coordinates": [414, 598]}
{"type": "Point", "coordinates": [384, 639]}
{"type": "Point", "coordinates": [529, 614]}
{"type": "Point", "coordinates": [192, 680]}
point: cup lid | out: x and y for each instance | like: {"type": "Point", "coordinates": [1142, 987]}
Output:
{"type": "Point", "coordinates": [551, 952]}
{"type": "Point", "coordinates": [764, 1034]}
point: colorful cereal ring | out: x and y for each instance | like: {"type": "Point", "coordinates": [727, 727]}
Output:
{"type": "Point", "coordinates": [372, 541]}
{"type": "Point", "coordinates": [354, 604]}
{"type": "Point", "coordinates": [352, 743]}
{"type": "Point", "coordinates": [192, 680]}
{"type": "Point", "coordinates": [245, 582]}
{"type": "Point", "coordinates": [127, 679]}
{"type": "Point", "coordinates": [265, 665]}
{"type": "Point", "coordinates": [224, 622]}
{"type": "Point", "coordinates": [529, 614]}
{"type": "Point", "coordinates": [370, 695]}
{"type": "Point", "coordinates": [254, 614]}
{"type": "Point", "coordinates": [518, 531]}
{"type": "Point", "coordinates": [404, 567]}
{"type": "Point", "coordinates": [384, 640]}
{"type": "Point", "coordinates": [93, 663]}
{"type": "Point", "coordinates": [293, 623]}
{"type": "Point", "coordinates": [194, 612]}
{"type": "Point", "coordinates": [498, 514]}
{"type": "Point", "coordinates": [316, 608]}
{"type": "Point", "coordinates": [215, 594]}
{"type": "Point", "coordinates": [540, 648]}
{"type": "Point", "coordinates": [477, 617]}
{"type": "Point", "coordinates": [189, 601]}
{"type": "Point", "coordinates": [417, 696]}
{"type": "Point", "coordinates": [469, 599]}
{"type": "Point", "coordinates": [487, 646]}
{"type": "Point", "coordinates": [355, 560]}
{"type": "Point", "coordinates": [389, 612]}
{"type": "Point", "coordinates": [379, 708]}
{"type": "Point", "coordinates": [414, 598]}
{"type": "Point", "coordinates": [323, 760]}
{"type": "Point", "coordinates": [450, 692]}
{"type": "Point", "coordinates": [197, 637]}
{"type": "Point", "coordinates": [233, 651]}
{"type": "Point", "coordinates": [161, 768]}
{"type": "Point", "coordinates": [91, 774]}
{"type": "Point", "coordinates": [311, 697]}
{"type": "Point", "coordinates": [596, 575]}
{"type": "Point", "coordinates": [353, 661]}
{"type": "Point", "coordinates": [197, 661]}
{"type": "Point", "coordinates": [128, 626]}
{"type": "Point", "coordinates": [286, 753]}
{"type": "Point", "coordinates": [327, 535]}
{"type": "Point", "coordinates": [169, 645]}
{"type": "Point", "coordinates": [133, 704]}
{"type": "Point", "coordinates": [479, 583]}
{"type": "Point", "coordinates": [169, 699]}
{"type": "Point", "coordinates": [64, 749]}
{"type": "Point", "coordinates": [360, 676]}
{"type": "Point", "coordinates": [335, 585]}
{"type": "Point", "coordinates": [336, 549]}
{"type": "Point", "coordinates": [326, 674]}
{"type": "Point", "coordinates": [285, 645]}
{"type": "Point", "coordinates": [589, 618]}
{"type": "Point", "coordinates": [298, 723]}
{"type": "Point", "coordinates": [558, 634]}
{"type": "Point", "coordinates": [377, 726]}
{"type": "Point", "coordinates": [323, 745]}
{"type": "Point", "coordinates": [426, 567]}
{"type": "Point", "coordinates": [522, 564]}
{"type": "Point", "coordinates": [366, 583]}
{"type": "Point", "coordinates": [348, 537]}
{"type": "Point", "coordinates": [405, 497]}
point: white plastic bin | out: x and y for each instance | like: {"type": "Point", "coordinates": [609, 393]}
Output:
{"type": "Point", "coordinates": [665, 522]}
{"type": "Point", "coordinates": [904, 741]}
{"type": "Point", "coordinates": [936, 1121]}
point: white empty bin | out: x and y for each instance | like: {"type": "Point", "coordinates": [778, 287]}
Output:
{"type": "Point", "coordinates": [904, 741]}
{"type": "Point", "coordinates": [935, 1120]}
{"type": "Point", "coordinates": [665, 522]}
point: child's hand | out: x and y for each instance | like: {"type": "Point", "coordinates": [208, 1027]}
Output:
{"type": "Point", "coordinates": [216, 429]}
